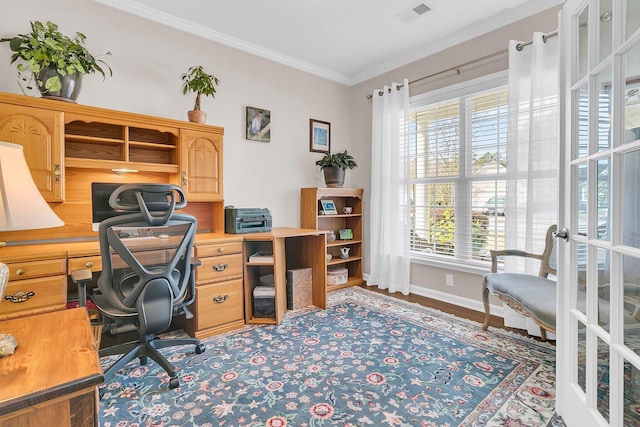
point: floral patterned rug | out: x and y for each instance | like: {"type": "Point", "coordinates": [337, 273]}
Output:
{"type": "Point", "coordinates": [368, 360]}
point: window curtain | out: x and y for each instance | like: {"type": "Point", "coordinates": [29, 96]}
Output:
{"type": "Point", "coordinates": [389, 257]}
{"type": "Point", "coordinates": [532, 155]}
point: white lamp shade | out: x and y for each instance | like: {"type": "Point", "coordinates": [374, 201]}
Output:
{"type": "Point", "coordinates": [22, 207]}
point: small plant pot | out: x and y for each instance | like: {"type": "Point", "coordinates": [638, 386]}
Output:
{"type": "Point", "coordinates": [70, 89]}
{"type": "Point", "coordinates": [333, 177]}
{"type": "Point", "coordinates": [197, 116]}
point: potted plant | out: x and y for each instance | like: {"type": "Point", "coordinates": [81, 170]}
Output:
{"type": "Point", "coordinates": [334, 166]}
{"type": "Point", "coordinates": [55, 61]}
{"type": "Point", "coordinates": [197, 80]}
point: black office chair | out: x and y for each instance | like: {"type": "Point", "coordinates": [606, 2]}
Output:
{"type": "Point", "coordinates": [147, 275]}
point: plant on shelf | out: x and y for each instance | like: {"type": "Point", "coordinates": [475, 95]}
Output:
{"type": "Point", "coordinates": [334, 167]}
{"type": "Point", "coordinates": [55, 61]}
{"type": "Point", "coordinates": [198, 81]}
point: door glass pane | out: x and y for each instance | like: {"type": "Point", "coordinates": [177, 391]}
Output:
{"type": "Point", "coordinates": [582, 198]}
{"type": "Point", "coordinates": [632, 95]}
{"type": "Point", "coordinates": [633, 17]}
{"type": "Point", "coordinates": [582, 123]}
{"type": "Point", "coordinates": [602, 377]}
{"type": "Point", "coordinates": [583, 42]}
{"type": "Point", "coordinates": [604, 109]}
{"type": "Point", "coordinates": [603, 183]}
{"type": "Point", "coordinates": [631, 199]}
{"type": "Point", "coordinates": [604, 289]}
{"type": "Point", "coordinates": [581, 295]}
{"type": "Point", "coordinates": [631, 301]}
{"type": "Point", "coordinates": [606, 25]}
{"type": "Point", "coordinates": [582, 355]}
{"type": "Point", "coordinates": [631, 394]}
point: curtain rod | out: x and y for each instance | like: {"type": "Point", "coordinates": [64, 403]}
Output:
{"type": "Point", "coordinates": [456, 68]}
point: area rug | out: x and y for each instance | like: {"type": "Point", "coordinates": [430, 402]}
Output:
{"type": "Point", "coordinates": [367, 360]}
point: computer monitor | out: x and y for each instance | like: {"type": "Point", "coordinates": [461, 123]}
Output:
{"type": "Point", "coordinates": [100, 208]}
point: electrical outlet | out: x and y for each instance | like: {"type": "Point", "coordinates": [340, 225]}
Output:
{"type": "Point", "coordinates": [449, 279]}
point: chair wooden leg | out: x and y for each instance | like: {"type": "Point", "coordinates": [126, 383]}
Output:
{"type": "Point", "coordinates": [543, 334]}
{"type": "Point", "coordinates": [487, 312]}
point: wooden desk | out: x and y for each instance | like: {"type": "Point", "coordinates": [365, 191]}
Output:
{"type": "Point", "coordinates": [53, 376]}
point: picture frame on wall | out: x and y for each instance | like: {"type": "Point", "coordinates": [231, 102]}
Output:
{"type": "Point", "coordinates": [319, 136]}
{"type": "Point", "coordinates": [258, 124]}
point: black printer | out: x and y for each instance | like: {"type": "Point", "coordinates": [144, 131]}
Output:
{"type": "Point", "coordinates": [246, 220]}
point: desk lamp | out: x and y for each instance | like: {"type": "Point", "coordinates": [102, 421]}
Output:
{"type": "Point", "coordinates": [22, 207]}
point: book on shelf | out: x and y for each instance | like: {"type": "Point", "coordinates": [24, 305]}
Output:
{"type": "Point", "coordinates": [261, 256]}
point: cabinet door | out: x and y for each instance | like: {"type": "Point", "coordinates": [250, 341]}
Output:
{"type": "Point", "coordinates": [201, 166]}
{"type": "Point", "coordinates": [40, 133]}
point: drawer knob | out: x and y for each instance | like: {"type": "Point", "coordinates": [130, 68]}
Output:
{"type": "Point", "coordinates": [20, 272]}
{"type": "Point", "coordinates": [220, 267]}
{"type": "Point", "coordinates": [89, 264]}
{"type": "Point", "coordinates": [220, 249]}
{"type": "Point", "coordinates": [19, 297]}
{"type": "Point", "coordinates": [221, 298]}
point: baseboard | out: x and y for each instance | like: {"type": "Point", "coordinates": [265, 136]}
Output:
{"type": "Point", "coordinates": [496, 310]}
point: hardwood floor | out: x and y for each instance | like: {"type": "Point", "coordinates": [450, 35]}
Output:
{"type": "Point", "coordinates": [476, 316]}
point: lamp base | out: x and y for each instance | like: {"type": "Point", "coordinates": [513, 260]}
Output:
{"type": "Point", "coordinates": [8, 344]}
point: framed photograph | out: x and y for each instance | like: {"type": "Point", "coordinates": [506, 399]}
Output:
{"type": "Point", "coordinates": [346, 234]}
{"type": "Point", "coordinates": [328, 207]}
{"type": "Point", "coordinates": [319, 136]}
{"type": "Point", "coordinates": [258, 124]}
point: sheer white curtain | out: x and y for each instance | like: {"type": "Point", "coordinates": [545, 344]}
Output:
{"type": "Point", "coordinates": [390, 226]}
{"type": "Point", "coordinates": [532, 154]}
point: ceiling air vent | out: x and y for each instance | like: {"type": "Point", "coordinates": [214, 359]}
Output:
{"type": "Point", "coordinates": [413, 13]}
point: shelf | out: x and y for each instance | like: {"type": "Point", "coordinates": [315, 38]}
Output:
{"type": "Point", "coordinates": [73, 162]}
{"type": "Point", "coordinates": [351, 281]}
{"type": "Point", "coordinates": [343, 242]}
{"type": "Point", "coordinates": [339, 216]}
{"type": "Point", "coordinates": [335, 261]}
{"type": "Point", "coordinates": [93, 139]}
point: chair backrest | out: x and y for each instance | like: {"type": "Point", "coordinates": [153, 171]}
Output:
{"type": "Point", "coordinates": [150, 245]}
{"type": "Point", "coordinates": [549, 263]}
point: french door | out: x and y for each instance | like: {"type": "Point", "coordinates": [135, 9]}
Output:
{"type": "Point", "coordinates": [598, 346]}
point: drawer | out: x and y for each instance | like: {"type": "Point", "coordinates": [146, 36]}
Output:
{"type": "Point", "coordinates": [31, 269]}
{"type": "Point", "coordinates": [219, 303]}
{"type": "Point", "coordinates": [93, 263]}
{"type": "Point", "coordinates": [49, 293]}
{"type": "Point", "coordinates": [219, 249]}
{"type": "Point", "coordinates": [219, 268]}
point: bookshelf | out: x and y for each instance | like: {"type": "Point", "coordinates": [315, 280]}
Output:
{"type": "Point", "coordinates": [312, 217]}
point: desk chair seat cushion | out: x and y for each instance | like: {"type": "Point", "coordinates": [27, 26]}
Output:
{"type": "Point", "coordinates": [535, 293]}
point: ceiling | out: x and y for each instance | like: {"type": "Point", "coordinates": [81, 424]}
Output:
{"type": "Point", "coordinates": [344, 41]}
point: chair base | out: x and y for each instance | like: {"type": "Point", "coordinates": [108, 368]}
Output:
{"type": "Point", "coordinates": [148, 349]}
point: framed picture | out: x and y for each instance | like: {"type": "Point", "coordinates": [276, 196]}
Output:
{"type": "Point", "coordinates": [328, 207]}
{"type": "Point", "coordinates": [258, 124]}
{"type": "Point", "coordinates": [346, 234]}
{"type": "Point", "coordinates": [319, 136]}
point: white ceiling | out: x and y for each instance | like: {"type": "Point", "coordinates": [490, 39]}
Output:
{"type": "Point", "coordinates": [344, 41]}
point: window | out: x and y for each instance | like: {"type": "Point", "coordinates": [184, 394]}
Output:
{"type": "Point", "coordinates": [458, 155]}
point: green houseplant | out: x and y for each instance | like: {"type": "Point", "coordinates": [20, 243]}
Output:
{"type": "Point", "coordinates": [55, 61]}
{"type": "Point", "coordinates": [198, 81]}
{"type": "Point", "coordinates": [334, 166]}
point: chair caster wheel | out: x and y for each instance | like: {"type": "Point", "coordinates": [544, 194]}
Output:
{"type": "Point", "coordinates": [200, 348]}
{"type": "Point", "coordinates": [174, 382]}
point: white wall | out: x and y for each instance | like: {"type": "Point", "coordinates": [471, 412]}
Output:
{"type": "Point", "coordinates": [147, 61]}
{"type": "Point", "coordinates": [429, 280]}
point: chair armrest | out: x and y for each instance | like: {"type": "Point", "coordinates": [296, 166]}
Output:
{"type": "Point", "coordinates": [509, 252]}
{"type": "Point", "coordinates": [80, 278]}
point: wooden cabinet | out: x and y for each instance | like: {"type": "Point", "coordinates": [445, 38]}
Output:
{"type": "Point", "coordinates": [219, 305]}
{"type": "Point", "coordinates": [35, 286]}
{"type": "Point", "coordinates": [40, 133]}
{"type": "Point", "coordinates": [201, 166]}
{"type": "Point", "coordinates": [53, 376]}
{"type": "Point", "coordinates": [282, 249]}
{"type": "Point", "coordinates": [310, 217]}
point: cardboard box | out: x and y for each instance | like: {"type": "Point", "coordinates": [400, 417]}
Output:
{"type": "Point", "coordinates": [299, 288]}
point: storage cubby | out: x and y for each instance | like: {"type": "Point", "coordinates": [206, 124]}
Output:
{"type": "Point", "coordinates": [312, 215]}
